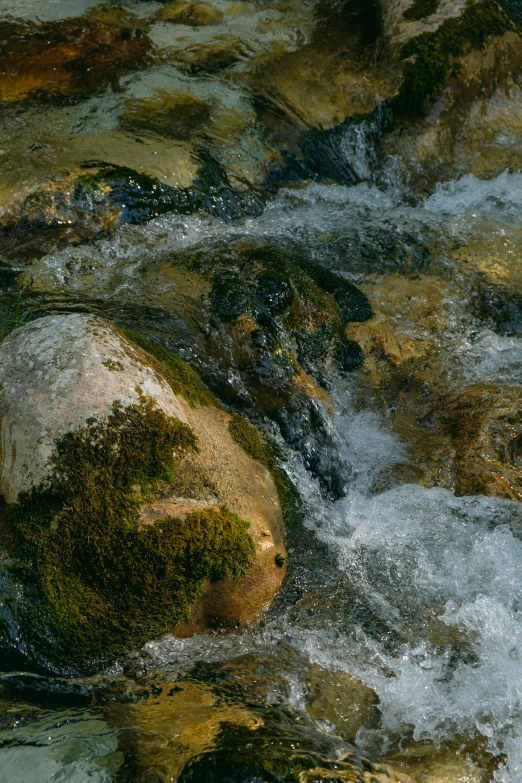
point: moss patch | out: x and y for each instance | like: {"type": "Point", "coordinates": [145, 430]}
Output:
{"type": "Point", "coordinates": [266, 452]}
{"type": "Point", "coordinates": [430, 59]}
{"type": "Point", "coordinates": [104, 582]}
{"type": "Point", "coordinates": [182, 379]}
{"type": "Point", "coordinates": [421, 9]}
{"type": "Point", "coordinates": [353, 304]}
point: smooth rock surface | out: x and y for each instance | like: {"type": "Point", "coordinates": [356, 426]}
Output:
{"type": "Point", "coordinates": [55, 374]}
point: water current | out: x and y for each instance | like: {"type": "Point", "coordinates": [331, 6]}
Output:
{"type": "Point", "coordinates": [398, 631]}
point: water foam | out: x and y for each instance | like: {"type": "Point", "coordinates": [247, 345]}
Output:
{"type": "Point", "coordinates": [499, 197]}
{"type": "Point", "coordinates": [444, 573]}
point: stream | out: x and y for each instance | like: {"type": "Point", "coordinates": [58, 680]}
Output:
{"type": "Point", "coordinates": [397, 635]}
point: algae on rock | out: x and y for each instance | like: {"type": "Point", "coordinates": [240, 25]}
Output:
{"type": "Point", "coordinates": [107, 582]}
{"type": "Point", "coordinates": [108, 550]}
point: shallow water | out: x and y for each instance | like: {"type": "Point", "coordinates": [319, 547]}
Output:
{"type": "Point", "coordinates": [411, 591]}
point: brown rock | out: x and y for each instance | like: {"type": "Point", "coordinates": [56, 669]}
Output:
{"type": "Point", "coordinates": [246, 487]}
{"type": "Point", "coordinates": [460, 760]}
{"type": "Point", "coordinates": [475, 440]}
{"type": "Point", "coordinates": [67, 58]}
{"type": "Point", "coordinates": [196, 14]}
{"type": "Point", "coordinates": [179, 722]}
{"type": "Point", "coordinates": [342, 700]}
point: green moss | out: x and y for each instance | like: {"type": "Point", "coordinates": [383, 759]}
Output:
{"type": "Point", "coordinates": [103, 581]}
{"type": "Point", "coordinates": [430, 59]}
{"type": "Point", "coordinates": [350, 355]}
{"type": "Point", "coordinates": [352, 303]}
{"type": "Point", "coordinates": [421, 9]}
{"type": "Point", "coordinates": [266, 452]}
{"type": "Point", "coordinates": [182, 379]}
{"type": "Point", "coordinates": [313, 346]}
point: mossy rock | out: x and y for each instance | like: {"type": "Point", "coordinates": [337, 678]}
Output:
{"type": "Point", "coordinates": [267, 453]}
{"type": "Point", "coordinates": [282, 312]}
{"type": "Point", "coordinates": [432, 58]}
{"type": "Point", "coordinates": [182, 379]}
{"type": "Point", "coordinates": [105, 582]}
{"type": "Point", "coordinates": [121, 521]}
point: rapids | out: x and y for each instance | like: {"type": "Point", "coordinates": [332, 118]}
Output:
{"type": "Point", "coordinates": [403, 602]}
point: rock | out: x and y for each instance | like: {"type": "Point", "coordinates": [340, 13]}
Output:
{"type": "Point", "coordinates": [178, 724]}
{"type": "Point", "coordinates": [460, 760]}
{"type": "Point", "coordinates": [460, 69]}
{"type": "Point", "coordinates": [401, 342]}
{"type": "Point", "coordinates": [207, 57]}
{"type": "Point", "coordinates": [336, 74]}
{"type": "Point", "coordinates": [174, 116]}
{"type": "Point", "coordinates": [127, 494]}
{"type": "Point", "coordinates": [398, 86]}
{"type": "Point", "coordinates": [272, 321]}
{"type": "Point", "coordinates": [343, 701]}
{"type": "Point", "coordinates": [69, 58]}
{"type": "Point", "coordinates": [474, 441]}
{"type": "Point", "coordinates": [97, 197]}
{"type": "Point", "coordinates": [196, 14]}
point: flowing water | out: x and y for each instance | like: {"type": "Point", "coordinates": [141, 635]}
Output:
{"type": "Point", "coordinates": [398, 632]}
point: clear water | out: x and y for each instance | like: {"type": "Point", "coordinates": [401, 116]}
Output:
{"type": "Point", "coordinates": [412, 591]}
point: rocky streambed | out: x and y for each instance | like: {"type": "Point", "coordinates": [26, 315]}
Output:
{"type": "Point", "coordinates": [260, 391]}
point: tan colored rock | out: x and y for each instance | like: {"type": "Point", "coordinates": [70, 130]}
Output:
{"type": "Point", "coordinates": [55, 374]}
{"type": "Point", "coordinates": [174, 726]}
{"type": "Point", "coordinates": [343, 701]}
{"type": "Point", "coordinates": [172, 115]}
{"type": "Point", "coordinates": [197, 14]}
{"type": "Point", "coordinates": [246, 487]}
{"type": "Point", "coordinates": [452, 762]}
{"type": "Point", "coordinates": [62, 373]}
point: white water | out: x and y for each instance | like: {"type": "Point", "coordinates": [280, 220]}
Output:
{"type": "Point", "coordinates": [444, 573]}
{"type": "Point", "coordinates": [413, 551]}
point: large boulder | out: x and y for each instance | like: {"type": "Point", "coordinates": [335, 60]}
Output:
{"type": "Point", "coordinates": [132, 505]}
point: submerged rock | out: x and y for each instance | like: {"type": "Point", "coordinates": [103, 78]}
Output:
{"type": "Point", "coordinates": [180, 723]}
{"type": "Point", "coordinates": [198, 14]}
{"type": "Point", "coordinates": [174, 116]}
{"type": "Point", "coordinates": [70, 58]}
{"type": "Point", "coordinates": [342, 701]}
{"type": "Point", "coordinates": [74, 207]}
{"type": "Point", "coordinates": [131, 507]}
{"type": "Point", "coordinates": [207, 57]}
